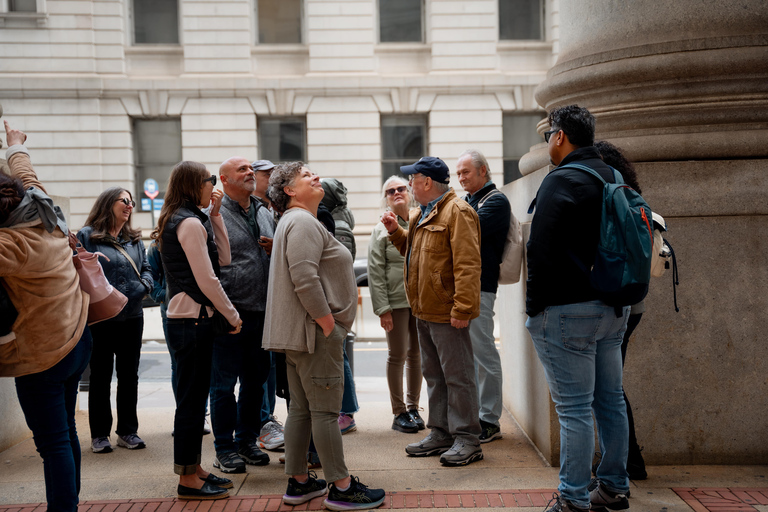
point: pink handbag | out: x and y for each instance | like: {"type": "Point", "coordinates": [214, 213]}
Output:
{"type": "Point", "coordinates": [106, 300]}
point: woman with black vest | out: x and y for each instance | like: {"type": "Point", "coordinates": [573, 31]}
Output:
{"type": "Point", "coordinates": [192, 246]}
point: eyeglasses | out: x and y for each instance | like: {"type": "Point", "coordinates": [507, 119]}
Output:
{"type": "Point", "coordinates": [548, 134]}
{"type": "Point", "coordinates": [212, 179]}
{"type": "Point", "coordinates": [399, 190]}
{"type": "Point", "coordinates": [127, 202]}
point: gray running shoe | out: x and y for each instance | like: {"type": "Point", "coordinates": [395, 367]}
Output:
{"type": "Point", "coordinates": [602, 499]}
{"type": "Point", "coordinates": [430, 445]}
{"type": "Point", "coordinates": [461, 454]}
{"type": "Point", "coordinates": [229, 462]}
{"type": "Point", "coordinates": [101, 445]}
{"type": "Point", "coordinates": [131, 441]}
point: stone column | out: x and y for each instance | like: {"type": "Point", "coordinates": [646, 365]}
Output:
{"type": "Point", "coordinates": [682, 88]}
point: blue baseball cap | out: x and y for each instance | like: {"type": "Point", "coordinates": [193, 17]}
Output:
{"type": "Point", "coordinates": [429, 166]}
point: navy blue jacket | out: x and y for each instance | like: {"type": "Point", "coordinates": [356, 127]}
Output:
{"type": "Point", "coordinates": [119, 271]}
{"type": "Point", "coordinates": [494, 224]}
{"type": "Point", "coordinates": [564, 229]}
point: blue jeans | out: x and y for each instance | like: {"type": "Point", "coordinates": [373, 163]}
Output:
{"type": "Point", "coordinates": [268, 403]}
{"type": "Point", "coordinates": [579, 346]}
{"type": "Point", "coordinates": [349, 401]}
{"type": "Point", "coordinates": [48, 401]}
{"type": "Point", "coordinates": [487, 361]}
{"type": "Point", "coordinates": [238, 357]}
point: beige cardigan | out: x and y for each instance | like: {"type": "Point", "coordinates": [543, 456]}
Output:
{"type": "Point", "coordinates": [41, 280]}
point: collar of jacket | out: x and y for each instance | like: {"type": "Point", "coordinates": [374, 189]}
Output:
{"type": "Point", "coordinates": [234, 206]}
{"type": "Point", "coordinates": [450, 195]}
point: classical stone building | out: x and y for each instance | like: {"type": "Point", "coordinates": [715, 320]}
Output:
{"type": "Point", "coordinates": [113, 92]}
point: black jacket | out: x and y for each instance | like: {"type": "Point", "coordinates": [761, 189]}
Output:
{"type": "Point", "coordinates": [120, 273]}
{"type": "Point", "coordinates": [565, 227]}
{"type": "Point", "coordinates": [494, 224]}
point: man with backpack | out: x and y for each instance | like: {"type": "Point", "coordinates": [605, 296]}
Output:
{"type": "Point", "coordinates": [577, 335]}
{"type": "Point", "coordinates": [493, 210]}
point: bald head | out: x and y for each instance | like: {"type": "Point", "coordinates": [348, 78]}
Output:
{"type": "Point", "coordinates": [238, 179]}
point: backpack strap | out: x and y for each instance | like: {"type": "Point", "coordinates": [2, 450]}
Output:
{"type": "Point", "coordinates": [487, 196]}
{"type": "Point", "coordinates": [618, 178]}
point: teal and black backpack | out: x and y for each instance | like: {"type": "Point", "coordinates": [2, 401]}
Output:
{"type": "Point", "coordinates": [622, 267]}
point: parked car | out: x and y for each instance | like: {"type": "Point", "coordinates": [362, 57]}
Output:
{"type": "Point", "coordinates": [361, 271]}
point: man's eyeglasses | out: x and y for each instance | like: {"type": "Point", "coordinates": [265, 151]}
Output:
{"type": "Point", "coordinates": [212, 179]}
{"type": "Point", "coordinates": [400, 190]}
{"type": "Point", "coordinates": [548, 134]}
{"type": "Point", "coordinates": [127, 202]}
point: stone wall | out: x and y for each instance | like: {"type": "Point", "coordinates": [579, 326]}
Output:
{"type": "Point", "coordinates": [689, 107]}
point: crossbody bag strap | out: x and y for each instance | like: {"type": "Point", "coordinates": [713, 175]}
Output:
{"type": "Point", "coordinates": [130, 260]}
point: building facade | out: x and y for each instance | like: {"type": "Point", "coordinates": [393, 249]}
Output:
{"type": "Point", "coordinates": [114, 92]}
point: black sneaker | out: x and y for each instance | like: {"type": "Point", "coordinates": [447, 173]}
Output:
{"type": "Point", "coordinates": [603, 500]}
{"type": "Point", "coordinates": [490, 432]}
{"type": "Point", "coordinates": [417, 419]}
{"type": "Point", "coordinates": [357, 497]}
{"type": "Point", "coordinates": [404, 423]}
{"type": "Point", "coordinates": [297, 493]}
{"type": "Point", "coordinates": [252, 455]}
{"type": "Point", "coordinates": [229, 462]}
{"type": "Point", "coordinates": [595, 482]}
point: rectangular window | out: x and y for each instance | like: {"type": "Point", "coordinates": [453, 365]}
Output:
{"type": "Point", "coordinates": [279, 21]}
{"type": "Point", "coordinates": [156, 149]}
{"type": "Point", "coordinates": [401, 21]}
{"type": "Point", "coordinates": [22, 5]}
{"type": "Point", "coordinates": [283, 139]}
{"type": "Point", "coordinates": [519, 132]}
{"type": "Point", "coordinates": [156, 21]}
{"type": "Point", "coordinates": [521, 19]}
{"type": "Point", "coordinates": [403, 141]}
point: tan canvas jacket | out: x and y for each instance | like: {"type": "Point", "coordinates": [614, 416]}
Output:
{"type": "Point", "coordinates": [41, 280]}
{"type": "Point", "coordinates": [442, 269]}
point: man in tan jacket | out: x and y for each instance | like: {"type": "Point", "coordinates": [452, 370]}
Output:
{"type": "Point", "coordinates": [442, 282]}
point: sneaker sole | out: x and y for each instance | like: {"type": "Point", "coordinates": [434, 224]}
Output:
{"type": "Point", "coordinates": [131, 446]}
{"type": "Point", "coordinates": [270, 446]}
{"type": "Point", "coordinates": [218, 465]}
{"type": "Point", "coordinates": [349, 429]}
{"type": "Point", "coordinates": [414, 430]}
{"type": "Point", "coordinates": [429, 453]}
{"type": "Point", "coordinates": [106, 449]}
{"type": "Point", "coordinates": [469, 460]}
{"type": "Point", "coordinates": [298, 500]}
{"type": "Point", "coordinates": [497, 435]}
{"type": "Point", "coordinates": [346, 505]}
{"type": "Point", "coordinates": [225, 494]}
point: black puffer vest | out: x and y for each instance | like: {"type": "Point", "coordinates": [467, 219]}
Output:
{"type": "Point", "coordinates": [178, 273]}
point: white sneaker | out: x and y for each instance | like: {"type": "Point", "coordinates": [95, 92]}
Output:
{"type": "Point", "coordinates": [206, 426]}
{"type": "Point", "coordinates": [272, 436]}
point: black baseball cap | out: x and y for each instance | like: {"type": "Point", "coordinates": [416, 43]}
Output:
{"type": "Point", "coordinates": [429, 166]}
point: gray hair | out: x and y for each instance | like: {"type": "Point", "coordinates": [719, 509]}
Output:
{"type": "Point", "coordinates": [395, 179]}
{"type": "Point", "coordinates": [478, 161]}
{"type": "Point", "coordinates": [441, 187]}
{"type": "Point", "coordinates": [282, 176]}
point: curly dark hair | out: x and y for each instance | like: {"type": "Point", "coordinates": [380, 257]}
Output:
{"type": "Point", "coordinates": [616, 159]}
{"type": "Point", "coordinates": [11, 194]}
{"type": "Point", "coordinates": [281, 177]}
{"type": "Point", "coordinates": [576, 122]}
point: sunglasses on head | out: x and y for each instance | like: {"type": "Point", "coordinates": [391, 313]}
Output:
{"type": "Point", "coordinates": [212, 179]}
{"type": "Point", "coordinates": [401, 190]}
{"type": "Point", "coordinates": [127, 202]}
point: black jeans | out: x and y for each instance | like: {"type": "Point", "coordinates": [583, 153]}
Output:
{"type": "Point", "coordinates": [238, 357]}
{"type": "Point", "coordinates": [190, 341]}
{"type": "Point", "coordinates": [48, 400]}
{"type": "Point", "coordinates": [631, 324]}
{"type": "Point", "coordinates": [116, 343]}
